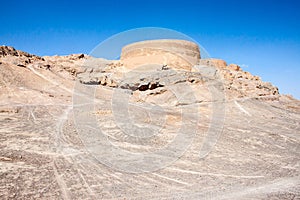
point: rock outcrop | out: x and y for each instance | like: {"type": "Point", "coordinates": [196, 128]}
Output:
{"type": "Point", "coordinates": [239, 83]}
{"type": "Point", "coordinates": [163, 56]}
{"type": "Point", "coordinates": [10, 51]}
{"type": "Point", "coordinates": [154, 69]}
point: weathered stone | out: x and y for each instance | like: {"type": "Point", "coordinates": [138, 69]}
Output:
{"type": "Point", "coordinates": [46, 116]}
{"type": "Point", "coordinates": [213, 62]}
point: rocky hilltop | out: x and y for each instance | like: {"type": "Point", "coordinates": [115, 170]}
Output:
{"type": "Point", "coordinates": [245, 131]}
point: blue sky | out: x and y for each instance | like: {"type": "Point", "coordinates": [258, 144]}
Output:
{"type": "Point", "coordinates": [262, 36]}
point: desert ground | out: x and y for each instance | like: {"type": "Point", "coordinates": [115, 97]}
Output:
{"type": "Point", "coordinates": [242, 137]}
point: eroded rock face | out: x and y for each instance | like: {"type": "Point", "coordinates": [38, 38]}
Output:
{"type": "Point", "coordinates": [155, 58]}
{"type": "Point", "coordinates": [239, 83]}
{"type": "Point", "coordinates": [147, 76]}
{"type": "Point", "coordinates": [10, 51]}
{"type": "Point", "coordinates": [17, 57]}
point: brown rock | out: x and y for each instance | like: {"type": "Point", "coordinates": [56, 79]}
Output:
{"type": "Point", "coordinates": [213, 62]}
{"type": "Point", "coordinates": [234, 67]}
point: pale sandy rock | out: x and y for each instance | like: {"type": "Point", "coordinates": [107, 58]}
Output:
{"type": "Point", "coordinates": [42, 150]}
{"type": "Point", "coordinates": [213, 62]}
{"type": "Point", "coordinates": [177, 54]}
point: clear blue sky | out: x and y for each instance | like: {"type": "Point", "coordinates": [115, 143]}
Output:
{"type": "Point", "coordinates": [262, 36]}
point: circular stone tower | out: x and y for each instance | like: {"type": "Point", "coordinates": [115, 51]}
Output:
{"type": "Point", "coordinates": [178, 54]}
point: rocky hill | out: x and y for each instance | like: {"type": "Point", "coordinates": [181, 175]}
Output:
{"type": "Point", "coordinates": [241, 137]}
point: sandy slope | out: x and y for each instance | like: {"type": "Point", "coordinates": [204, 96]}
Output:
{"type": "Point", "coordinates": [43, 154]}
